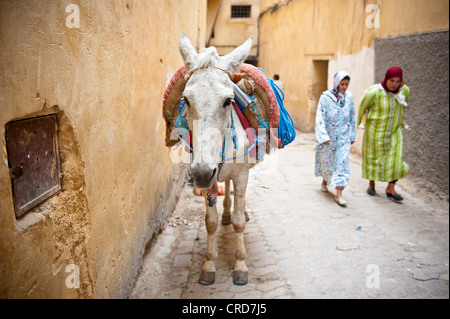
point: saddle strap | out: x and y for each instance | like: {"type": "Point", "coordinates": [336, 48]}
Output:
{"type": "Point", "coordinates": [248, 129]}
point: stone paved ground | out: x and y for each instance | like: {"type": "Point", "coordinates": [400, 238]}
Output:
{"type": "Point", "coordinates": [301, 244]}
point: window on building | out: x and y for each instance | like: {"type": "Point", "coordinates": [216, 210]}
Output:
{"type": "Point", "coordinates": [241, 11]}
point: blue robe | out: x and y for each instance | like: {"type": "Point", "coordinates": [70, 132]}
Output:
{"type": "Point", "coordinates": [334, 123]}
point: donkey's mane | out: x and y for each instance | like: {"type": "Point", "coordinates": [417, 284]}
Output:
{"type": "Point", "coordinates": [208, 57]}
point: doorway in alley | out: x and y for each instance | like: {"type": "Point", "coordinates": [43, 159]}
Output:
{"type": "Point", "coordinates": [319, 80]}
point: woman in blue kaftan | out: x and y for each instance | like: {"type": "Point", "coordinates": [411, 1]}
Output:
{"type": "Point", "coordinates": [335, 133]}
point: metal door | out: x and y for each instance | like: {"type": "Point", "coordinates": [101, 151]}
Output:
{"type": "Point", "coordinates": [33, 159]}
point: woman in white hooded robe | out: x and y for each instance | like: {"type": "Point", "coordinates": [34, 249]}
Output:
{"type": "Point", "coordinates": [335, 133]}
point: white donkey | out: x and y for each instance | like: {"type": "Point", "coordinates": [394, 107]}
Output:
{"type": "Point", "coordinates": [209, 95]}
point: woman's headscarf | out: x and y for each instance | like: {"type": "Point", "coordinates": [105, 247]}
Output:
{"type": "Point", "coordinates": [338, 77]}
{"type": "Point", "coordinates": [393, 72]}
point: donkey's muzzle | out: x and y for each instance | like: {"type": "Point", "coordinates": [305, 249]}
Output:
{"type": "Point", "coordinates": [204, 175]}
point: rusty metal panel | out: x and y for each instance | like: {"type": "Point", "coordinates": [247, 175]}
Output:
{"type": "Point", "coordinates": [33, 159]}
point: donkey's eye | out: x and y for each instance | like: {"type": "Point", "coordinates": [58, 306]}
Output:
{"type": "Point", "coordinates": [227, 102]}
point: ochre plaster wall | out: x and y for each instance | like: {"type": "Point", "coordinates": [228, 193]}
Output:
{"type": "Point", "coordinates": [230, 33]}
{"type": "Point", "coordinates": [294, 33]}
{"type": "Point", "coordinates": [401, 17]}
{"type": "Point", "coordinates": [105, 80]}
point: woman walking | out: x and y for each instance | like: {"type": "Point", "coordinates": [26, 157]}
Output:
{"type": "Point", "coordinates": [335, 133]}
{"type": "Point", "coordinates": [382, 150]}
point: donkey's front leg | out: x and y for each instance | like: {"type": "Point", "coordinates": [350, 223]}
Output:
{"type": "Point", "coordinates": [240, 274]}
{"type": "Point", "coordinates": [208, 273]}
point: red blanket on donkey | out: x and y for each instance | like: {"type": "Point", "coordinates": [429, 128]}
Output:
{"type": "Point", "coordinates": [262, 113]}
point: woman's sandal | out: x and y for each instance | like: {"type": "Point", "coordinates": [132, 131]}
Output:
{"type": "Point", "coordinates": [396, 197]}
{"type": "Point", "coordinates": [371, 191]}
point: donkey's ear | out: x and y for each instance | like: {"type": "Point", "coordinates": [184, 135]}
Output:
{"type": "Point", "coordinates": [233, 60]}
{"type": "Point", "coordinates": [188, 52]}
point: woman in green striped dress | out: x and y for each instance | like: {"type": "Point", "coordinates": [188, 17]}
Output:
{"type": "Point", "coordinates": [383, 106]}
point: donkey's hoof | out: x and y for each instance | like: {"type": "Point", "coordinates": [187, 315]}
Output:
{"type": "Point", "coordinates": [240, 278]}
{"type": "Point", "coordinates": [226, 219]}
{"type": "Point", "coordinates": [207, 278]}
{"type": "Point", "coordinates": [247, 219]}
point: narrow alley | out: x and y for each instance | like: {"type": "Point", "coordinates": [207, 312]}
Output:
{"type": "Point", "coordinates": [301, 244]}
{"type": "Point", "coordinates": [93, 205]}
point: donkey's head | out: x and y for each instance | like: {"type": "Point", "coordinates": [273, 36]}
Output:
{"type": "Point", "coordinates": [208, 95]}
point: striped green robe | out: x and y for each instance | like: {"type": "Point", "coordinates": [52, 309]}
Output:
{"type": "Point", "coordinates": [383, 136]}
